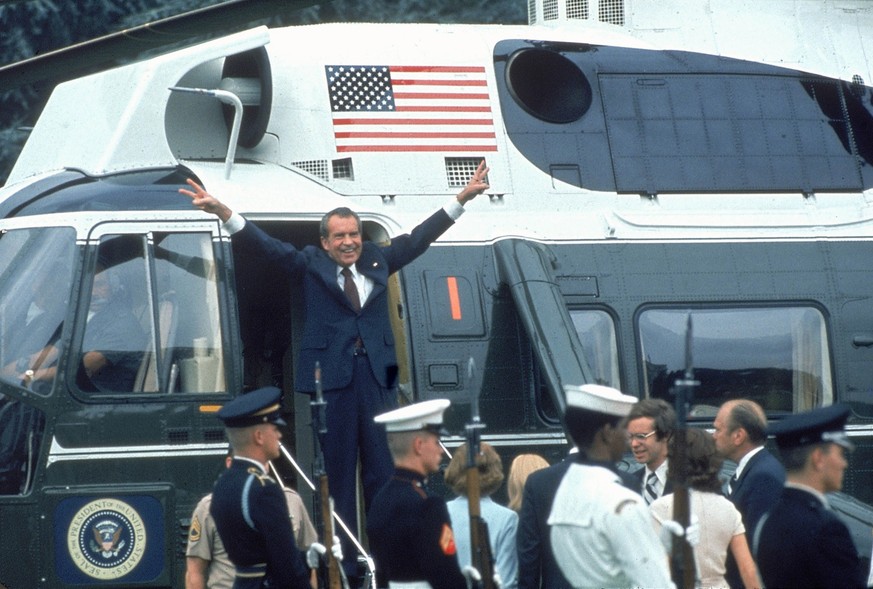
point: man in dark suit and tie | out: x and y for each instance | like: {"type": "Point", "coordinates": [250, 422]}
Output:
{"type": "Point", "coordinates": [347, 330]}
{"type": "Point", "coordinates": [740, 435]}
{"type": "Point", "coordinates": [650, 426]}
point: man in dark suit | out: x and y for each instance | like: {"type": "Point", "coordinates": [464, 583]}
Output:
{"type": "Point", "coordinates": [801, 541]}
{"type": "Point", "coordinates": [650, 426]}
{"type": "Point", "coordinates": [740, 434]}
{"type": "Point", "coordinates": [347, 330]}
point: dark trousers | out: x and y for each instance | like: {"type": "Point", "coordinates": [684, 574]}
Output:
{"type": "Point", "coordinates": [351, 432]}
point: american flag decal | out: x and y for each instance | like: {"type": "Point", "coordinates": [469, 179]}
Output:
{"type": "Point", "coordinates": [410, 108]}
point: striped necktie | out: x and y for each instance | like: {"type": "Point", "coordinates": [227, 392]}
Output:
{"type": "Point", "coordinates": [650, 492]}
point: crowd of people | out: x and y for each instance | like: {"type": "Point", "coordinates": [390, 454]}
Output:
{"type": "Point", "coordinates": [581, 522]}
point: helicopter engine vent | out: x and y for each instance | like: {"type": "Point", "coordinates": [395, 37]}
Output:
{"type": "Point", "coordinates": [342, 169]}
{"type": "Point", "coordinates": [460, 169]}
{"type": "Point", "coordinates": [605, 11]}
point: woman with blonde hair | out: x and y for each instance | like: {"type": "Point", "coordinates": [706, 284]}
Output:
{"type": "Point", "coordinates": [502, 522]}
{"type": "Point", "coordinates": [521, 467]}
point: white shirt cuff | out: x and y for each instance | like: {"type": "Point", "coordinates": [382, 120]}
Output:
{"type": "Point", "coordinates": [235, 223]}
{"type": "Point", "coordinates": [454, 209]}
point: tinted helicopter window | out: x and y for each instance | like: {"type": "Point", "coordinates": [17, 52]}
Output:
{"type": "Point", "coordinates": [778, 357]}
{"type": "Point", "coordinates": [36, 269]}
{"type": "Point", "coordinates": [153, 318]}
{"type": "Point", "coordinates": [21, 429]}
{"type": "Point", "coordinates": [596, 330]}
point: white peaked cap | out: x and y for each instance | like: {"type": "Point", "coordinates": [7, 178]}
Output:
{"type": "Point", "coordinates": [599, 399]}
{"type": "Point", "coordinates": [427, 415]}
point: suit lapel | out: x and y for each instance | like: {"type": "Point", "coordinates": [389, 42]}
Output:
{"type": "Point", "coordinates": [372, 265]}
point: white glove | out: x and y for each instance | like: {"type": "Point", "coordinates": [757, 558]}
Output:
{"type": "Point", "coordinates": [670, 528]}
{"type": "Point", "coordinates": [317, 550]}
{"type": "Point", "coordinates": [337, 549]}
{"type": "Point", "coordinates": [313, 555]}
{"type": "Point", "coordinates": [471, 573]}
{"type": "Point", "coordinates": [473, 576]}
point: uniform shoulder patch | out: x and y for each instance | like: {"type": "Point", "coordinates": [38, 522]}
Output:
{"type": "Point", "coordinates": [447, 541]}
{"type": "Point", "coordinates": [623, 504]}
{"type": "Point", "coordinates": [195, 530]}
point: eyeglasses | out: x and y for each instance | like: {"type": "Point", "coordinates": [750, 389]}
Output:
{"type": "Point", "coordinates": [641, 437]}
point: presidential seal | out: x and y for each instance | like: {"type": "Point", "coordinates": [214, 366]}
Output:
{"type": "Point", "coordinates": [106, 539]}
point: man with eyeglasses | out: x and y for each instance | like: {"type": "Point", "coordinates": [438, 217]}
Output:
{"type": "Point", "coordinates": [650, 425]}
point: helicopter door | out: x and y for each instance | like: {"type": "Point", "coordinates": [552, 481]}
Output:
{"type": "Point", "coordinates": [153, 317]}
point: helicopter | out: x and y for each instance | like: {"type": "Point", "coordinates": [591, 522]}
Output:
{"type": "Point", "coordinates": [647, 162]}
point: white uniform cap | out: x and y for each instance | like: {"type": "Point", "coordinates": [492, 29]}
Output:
{"type": "Point", "coordinates": [427, 415]}
{"type": "Point", "coordinates": [599, 399]}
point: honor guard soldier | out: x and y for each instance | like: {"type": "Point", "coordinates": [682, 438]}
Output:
{"type": "Point", "coordinates": [601, 531]}
{"type": "Point", "coordinates": [249, 507]}
{"type": "Point", "coordinates": [409, 530]}
{"type": "Point", "coordinates": [801, 542]}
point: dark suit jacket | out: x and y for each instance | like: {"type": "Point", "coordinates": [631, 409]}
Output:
{"type": "Point", "coordinates": [756, 492]}
{"type": "Point", "coordinates": [804, 544]}
{"type": "Point", "coordinates": [331, 325]}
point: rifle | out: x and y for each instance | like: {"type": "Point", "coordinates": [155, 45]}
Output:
{"type": "Point", "coordinates": [682, 564]}
{"type": "Point", "coordinates": [480, 544]}
{"type": "Point", "coordinates": [329, 576]}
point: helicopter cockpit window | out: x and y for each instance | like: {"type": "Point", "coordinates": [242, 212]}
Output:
{"type": "Point", "coordinates": [36, 269]}
{"type": "Point", "coordinates": [153, 322]}
{"type": "Point", "coordinates": [777, 356]}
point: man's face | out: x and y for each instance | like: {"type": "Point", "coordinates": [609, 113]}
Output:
{"type": "Point", "coordinates": [272, 435]}
{"type": "Point", "coordinates": [343, 241]}
{"type": "Point", "coordinates": [722, 435]}
{"type": "Point", "coordinates": [431, 452]}
{"type": "Point", "coordinates": [833, 466]}
{"type": "Point", "coordinates": [644, 442]}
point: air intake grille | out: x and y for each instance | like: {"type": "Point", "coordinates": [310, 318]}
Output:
{"type": "Point", "coordinates": [342, 169]}
{"type": "Point", "coordinates": [577, 9]}
{"type": "Point", "coordinates": [460, 169]}
{"type": "Point", "coordinates": [611, 11]}
{"type": "Point", "coordinates": [317, 168]}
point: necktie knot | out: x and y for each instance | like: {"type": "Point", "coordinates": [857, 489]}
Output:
{"type": "Point", "coordinates": [351, 289]}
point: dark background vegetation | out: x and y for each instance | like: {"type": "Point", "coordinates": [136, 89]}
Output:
{"type": "Point", "coordinates": [33, 27]}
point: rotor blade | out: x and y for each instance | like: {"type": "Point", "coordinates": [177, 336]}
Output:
{"type": "Point", "coordinates": [160, 36]}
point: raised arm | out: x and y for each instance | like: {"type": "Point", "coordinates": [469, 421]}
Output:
{"type": "Point", "coordinates": [206, 202]}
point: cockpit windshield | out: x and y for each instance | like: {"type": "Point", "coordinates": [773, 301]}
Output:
{"type": "Point", "coordinates": [36, 270]}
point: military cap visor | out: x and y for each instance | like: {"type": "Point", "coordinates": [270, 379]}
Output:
{"type": "Point", "coordinates": [819, 426]}
{"type": "Point", "coordinates": [254, 408]}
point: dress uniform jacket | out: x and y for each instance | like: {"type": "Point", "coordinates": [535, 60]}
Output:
{"type": "Point", "coordinates": [251, 515]}
{"type": "Point", "coordinates": [602, 533]}
{"type": "Point", "coordinates": [332, 326]}
{"type": "Point", "coordinates": [411, 535]}
{"type": "Point", "coordinates": [802, 543]}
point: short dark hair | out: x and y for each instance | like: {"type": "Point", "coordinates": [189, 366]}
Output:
{"type": "Point", "coordinates": [343, 213]}
{"type": "Point", "coordinates": [658, 410]}
{"type": "Point", "coordinates": [583, 425]}
{"type": "Point", "coordinates": [794, 459]}
{"type": "Point", "coordinates": [748, 415]}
